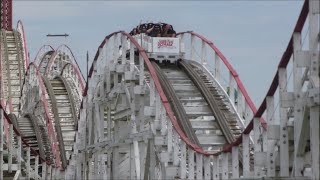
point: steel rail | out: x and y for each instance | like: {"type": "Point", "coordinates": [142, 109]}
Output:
{"type": "Point", "coordinates": [223, 92]}
{"type": "Point", "coordinates": [221, 119]}
{"type": "Point", "coordinates": [73, 59]}
{"type": "Point", "coordinates": [39, 56]}
{"type": "Point", "coordinates": [176, 105]}
{"type": "Point", "coordinates": [48, 53]}
{"type": "Point", "coordinates": [274, 85]}
{"type": "Point", "coordinates": [76, 70]}
{"type": "Point", "coordinates": [158, 86]}
{"type": "Point", "coordinates": [232, 72]}
{"type": "Point", "coordinates": [71, 99]}
{"type": "Point", "coordinates": [23, 36]}
{"type": "Point", "coordinates": [56, 118]}
{"type": "Point", "coordinates": [44, 102]}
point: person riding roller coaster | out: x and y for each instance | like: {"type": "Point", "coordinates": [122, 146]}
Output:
{"type": "Point", "coordinates": [154, 30]}
{"type": "Point", "coordinates": [143, 28]}
{"type": "Point", "coordinates": [168, 31]}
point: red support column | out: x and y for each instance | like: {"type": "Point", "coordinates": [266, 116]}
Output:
{"type": "Point", "coordinates": [6, 14]}
{"type": "Point", "coordinates": [9, 13]}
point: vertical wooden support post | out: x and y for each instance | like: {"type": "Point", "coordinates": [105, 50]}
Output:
{"type": "Point", "coordinates": [131, 57]}
{"type": "Point", "coordinates": [152, 159]}
{"type": "Point", "coordinates": [314, 18]}
{"type": "Point", "coordinates": [298, 107]}
{"type": "Point", "coordinates": [225, 165]}
{"type": "Point", "coordinates": [54, 172]}
{"type": "Point", "coordinates": [259, 157]}
{"type": "Point", "coordinates": [132, 163]}
{"type": "Point", "coordinates": [109, 165]}
{"type": "Point", "coordinates": [115, 47]}
{"type": "Point", "coordinates": [44, 170]}
{"type": "Point", "coordinates": [143, 152]}
{"type": "Point", "coordinates": [96, 118]}
{"type": "Point", "coordinates": [284, 147]}
{"type": "Point", "coordinates": [49, 172]}
{"type": "Point", "coordinates": [203, 53]}
{"type": "Point", "coordinates": [163, 119]}
{"type": "Point", "coordinates": [175, 149]}
{"type": "Point", "coordinates": [192, 50]}
{"type": "Point", "coordinates": [191, 163]}
{"type": "Point", "coordinates": [207, 167]}
{"type": "Point", "coordinates": [217, 67]}
{"type": "Point", "coordinates": [246, 155]}
{"type": "Point", "coordinates": [199, 166]}
{"type": "Point", "coordinates": [314, 140]}
{"type": "Point", "coordinates": [215, 167]}
{"type": "Point", "coordinates": [170, 136]}
{"type": "Point", "coordinates": [124, 48]}
{"type": "Point", "coordinates": [95, 170]}
{"type": "Point", "coordinates": [115, 162]}
{"type": "Point", "coordinates": [115, 58]}
{"type": "Point", "coordinates": [137, 159]}
{"type": "Point", "coordinates": [134, 124]}
{"type": "Point", "coordinates": [141, 73]}
{"type": "Point", "coordinates": [101, 128]}
{"type": "Point", "coordinates": [99, 173]}
{"type": "Point", "coordinates": [231, 88]}
{"type": "Point", "coordinates": [89, 118]}
{"type": "Point", "coordinates": [141, 116]}
{"type": "Point", "coordinates": [235, 162]}
{"type": "Point", "coordinates": [271, 165]}
{"type": "Point", "coordinates": [36, 167]}
{"type": "Point", "coordinates": [182, 44]}
{"type": "Point", "coordinates": [183, 167]}
{"type": "Point", "coordinates": [89, 167]}
{"type": "Point", "coordinates": [104, 167]}
{"type": "Point", "coordinates": [1, 143]}
{"type": "Point", "coordinates": [240, 102]}
{"type": "Point", "coordinates": [10, 148]}
{"type": "Point", "coordinates": [19, 152]}
{"type": "Point", "coordinates": [28, 164]}
{"type": "Point", "coordinates": [108, 79]}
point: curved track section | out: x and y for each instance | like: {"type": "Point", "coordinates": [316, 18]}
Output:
{"type": "Point", "coordinates": [132, 129]}
{"type": "Point", "coordinates": [44, 61]}
{"type": "Point", "coordinates": [45, 49]}
{"type": "Point", "coordinates": [38, 107]}
{"type": "Point", "coordinates": [62, 89]}
{"type": "Point", "coordinates": [138, 119]}
{"type": "Point", "coordinates": [144, 121]}
{"type": "Point", "coordinates": [61, 56]}
{"type": "Point", "coordinates": [20, 29]}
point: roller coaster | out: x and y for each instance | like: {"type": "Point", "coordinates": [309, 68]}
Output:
{"type": "Point", "coordinates": [157, 108]}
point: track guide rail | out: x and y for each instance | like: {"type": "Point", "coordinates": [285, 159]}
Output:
{"type": "Point", "coordinates": [210, 100]}
{"type": "Point", "coordinates": [178, 109]}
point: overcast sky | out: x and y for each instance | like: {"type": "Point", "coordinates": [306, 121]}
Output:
{"type": "Point", "coordinates": [251, 34]}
